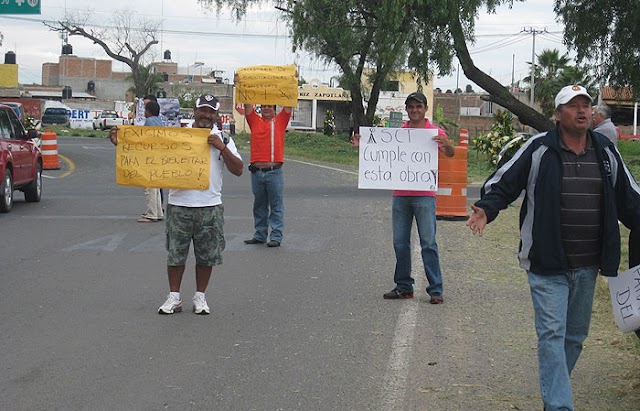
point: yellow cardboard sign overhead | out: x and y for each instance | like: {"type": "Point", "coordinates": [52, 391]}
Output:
{"type": "Point", "coordinates": [163, 157]}
{"type": "Point", "coordinates": [267, 85]}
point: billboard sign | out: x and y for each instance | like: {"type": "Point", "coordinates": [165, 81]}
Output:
{"type": "Point", "coordinates": [19, 6]}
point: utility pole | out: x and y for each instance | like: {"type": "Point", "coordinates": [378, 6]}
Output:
{"type": "Point", "coordinates": [458, 94]}
{"type": "Point", "coordinates": [533, 60]}
{"type": "Point", "coordinates": [513, 68]}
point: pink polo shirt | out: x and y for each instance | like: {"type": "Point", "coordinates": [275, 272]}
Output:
{"type": "Point", "coordinates": [418, 193]}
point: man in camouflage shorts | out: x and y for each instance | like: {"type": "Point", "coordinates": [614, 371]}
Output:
{"type": "Point", "coordinates": [202, 224]}
{"type": "Point", "coordinates": [197, 215]}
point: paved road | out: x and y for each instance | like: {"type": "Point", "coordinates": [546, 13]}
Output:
{"type": "Point", "coordinates": [300, 327]}
{"type": "Point", "coordinates": [294, 328]}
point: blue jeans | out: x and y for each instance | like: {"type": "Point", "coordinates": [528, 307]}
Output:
{"type": "Point", "coordinates": [562, 305]}
{"type": "Point", "coordinates": [268, 204]}
{"type": "Point", "coordinates": [423, 209]}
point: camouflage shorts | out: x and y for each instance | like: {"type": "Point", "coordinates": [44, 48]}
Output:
{"type": "Point", "coordinates": [203, 226]}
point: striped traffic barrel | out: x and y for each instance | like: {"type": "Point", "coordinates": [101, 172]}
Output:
{"type": "Point", "coordinates": [50, 159]}
{"type": "Point", "coordinates": [451, 198]}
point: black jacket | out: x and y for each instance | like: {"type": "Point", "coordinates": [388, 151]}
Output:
{"type": "Point", "coordinates": [537, 169]}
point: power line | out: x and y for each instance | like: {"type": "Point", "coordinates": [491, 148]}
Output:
{"type": "Point", "coordinates": [169, 31]}
{"type": "Point", "coordinates": [498, 44]}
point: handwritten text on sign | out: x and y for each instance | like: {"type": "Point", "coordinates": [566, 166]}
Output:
{"type": "Point", "coordinates": [398, 159]}
{"type": "Point", "coordinates": [625, 297]}
{"type": "Point", "coordinates": [163, 157]}
{"type": "Point", "coordinates": [267, 85]}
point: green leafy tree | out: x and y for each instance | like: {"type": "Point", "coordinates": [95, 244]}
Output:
{"type": "Point", "coordinates": [358, 35]}
{"type": "Point", "coordinates": [329, 125]}
{"type": "Point", "coordinates": [606, 36]}
{"type": "Point", "coordinates": [502, 133]}
{"type": "Point", "coordinates": [460, 18]}
{"type": "Point", "coordinates": [187, 98]}
{"type": "Point", "coordinates": [364, 38]}
{"type": "Point", "coordinates": [443, 122]}
{"type": "Point", "coordinates": [387, 36]}
{"type": "Point", "coordinates": [148, 80]}
{"type": "Point", "coordinates": [552, 72]}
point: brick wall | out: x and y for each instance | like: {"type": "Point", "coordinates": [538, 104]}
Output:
{"type": "Point", "coordinates": [476, 125]}
{"type": "Point", "coordinates": [166, 67]}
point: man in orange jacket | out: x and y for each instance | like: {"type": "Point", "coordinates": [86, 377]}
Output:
{"type": "Point", "coordinates": [267, 180]}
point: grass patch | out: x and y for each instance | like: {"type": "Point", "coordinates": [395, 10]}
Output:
{"type": "Point", "coordinates": [630, 151]}
{"type": "Point", "coordinates": [77, 132]}
{"type": "Point", "coordinates": [313, 146]}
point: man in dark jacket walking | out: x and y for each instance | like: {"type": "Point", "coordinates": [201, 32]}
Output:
{"type": "Point", "coordinates": [577, 188]}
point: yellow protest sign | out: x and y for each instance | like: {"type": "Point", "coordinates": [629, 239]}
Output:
{"type": "Point", "coordinates": [267, 85]}
{"type": "Point", "coordinates": [163, 157]}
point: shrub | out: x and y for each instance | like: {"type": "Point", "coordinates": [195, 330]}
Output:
{"type": "Point", "coordinates": [329, 126]}
{"type": "Point", "coordinates": [500, 135]}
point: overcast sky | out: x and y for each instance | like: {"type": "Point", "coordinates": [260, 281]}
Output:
{"type": "Point", "coordinates": [193, 34]}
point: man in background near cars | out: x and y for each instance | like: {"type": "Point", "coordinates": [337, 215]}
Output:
{"type": "Point", "coordinates": [152, 195]}
{"type": "Point", "coordinates": [408, 205]}
{"type": "Point", "coordinates": [198, 215]}
{"type": "Point", "coordinates": [602, 123]}
{"type": "Point", "coordinates": [576, 187]}
{"type": "Point", "coordinates": [267, 180]}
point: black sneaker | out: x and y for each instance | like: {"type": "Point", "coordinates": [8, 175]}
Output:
{"type": "Point", "coordinates": [253, 241]}
{"type": "Point", "coordinates": [396, 294]}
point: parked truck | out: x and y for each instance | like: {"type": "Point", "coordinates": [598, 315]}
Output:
{"type": "Point", "coordinates": [107, 119]}
{"type": "Point", "coordinates": [56, 116]}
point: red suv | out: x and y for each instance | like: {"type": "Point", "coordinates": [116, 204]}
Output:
{"type": "Point", "coordinates": [20, 160]}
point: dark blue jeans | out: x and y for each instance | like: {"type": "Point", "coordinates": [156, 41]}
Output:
{"type": "Point", "coordinates": [423, 210]}
{"type": "Point", "coordinates": [268, 204]}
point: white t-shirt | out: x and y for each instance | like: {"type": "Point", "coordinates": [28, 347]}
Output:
{"type": "Point", "coordinates": [213, 195]}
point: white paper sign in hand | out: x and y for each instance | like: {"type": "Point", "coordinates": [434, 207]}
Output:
{"type": "Point", "coordinates": [625, 299]}
{"type": "Point", "coordinates": [398, 159]}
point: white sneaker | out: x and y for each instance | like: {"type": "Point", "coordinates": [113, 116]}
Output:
{"type": "Point", "coordinates": [200, 305]}
{"type": "Point", "coordinates": [172, 305]}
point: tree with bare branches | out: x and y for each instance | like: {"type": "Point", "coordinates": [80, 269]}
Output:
{"type": "Point", "coordinates": [127, 39]}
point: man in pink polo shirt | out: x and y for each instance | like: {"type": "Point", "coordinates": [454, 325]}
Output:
{"type": "Point", "coordinates": [421, 206]}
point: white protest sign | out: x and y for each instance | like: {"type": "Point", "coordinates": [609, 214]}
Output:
{"type": "Point", "coordinates": [625, 298]}
{"type": "Point", "coordinates": [398, 159]}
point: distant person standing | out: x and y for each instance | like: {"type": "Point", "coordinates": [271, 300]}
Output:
{"type": "Point", "coordinates": [152, 195]}
{"type": "Point", "coordinates": [602, 123]}
{"type": "Point", "coordinates": [267, 180]}
{"type": "Point", "coordinates": [232, 126]}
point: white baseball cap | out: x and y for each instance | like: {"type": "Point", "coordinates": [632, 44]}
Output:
{"type": "Point", "coordinates": [567, 93]}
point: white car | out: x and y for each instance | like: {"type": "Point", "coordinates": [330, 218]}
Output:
{"type": "Point", "coordinates": [107, 119]}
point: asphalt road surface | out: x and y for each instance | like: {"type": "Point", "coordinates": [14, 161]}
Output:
{"type": "Point", "coordinates": [300, 327]}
